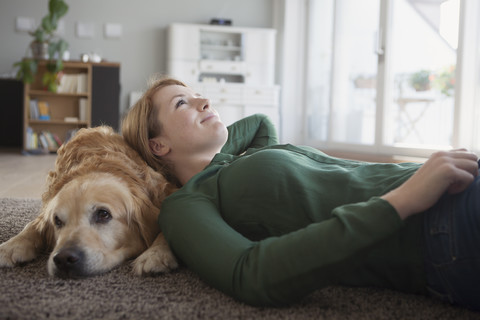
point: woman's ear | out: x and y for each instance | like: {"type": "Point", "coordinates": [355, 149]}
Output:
{"type": "Point", "coordinates": [157, 147]}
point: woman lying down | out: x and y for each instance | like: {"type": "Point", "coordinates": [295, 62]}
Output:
{"type": "Point", "coordinates": [269, 223]}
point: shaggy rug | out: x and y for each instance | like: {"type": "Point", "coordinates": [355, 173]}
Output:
{"type": "Point", "coordinates": [28, 292]}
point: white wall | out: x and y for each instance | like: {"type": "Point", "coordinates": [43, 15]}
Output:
{"type": "Point", "coordinates": [142, 49]}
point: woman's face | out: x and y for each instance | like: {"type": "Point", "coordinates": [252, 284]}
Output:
{"type": "Point", "coordinates": [188, 121]}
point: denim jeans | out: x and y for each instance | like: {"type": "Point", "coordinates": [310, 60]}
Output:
{"type": "Point", "coordinates": [452, 248]}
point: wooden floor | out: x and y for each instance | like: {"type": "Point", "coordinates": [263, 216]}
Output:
{"type": "Point", "coordinates": [23, 176]}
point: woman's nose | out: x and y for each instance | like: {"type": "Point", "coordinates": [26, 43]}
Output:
{"type": "Point", "coordinates": [203, 104]}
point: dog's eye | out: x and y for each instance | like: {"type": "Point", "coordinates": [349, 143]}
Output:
{"type": "Point", "coordinates": [102, 216]}
{"type": "Point", "coordinates": [58, 222]}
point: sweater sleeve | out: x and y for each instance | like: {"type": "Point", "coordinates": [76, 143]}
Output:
{"type": "Point", "coordinates": [255, 131]}
{"type": "Point", "coordinates": [278, 270]}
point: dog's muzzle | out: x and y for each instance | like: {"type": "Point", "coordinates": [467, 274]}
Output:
{"type": "Point", "coordinates": [69, 262]}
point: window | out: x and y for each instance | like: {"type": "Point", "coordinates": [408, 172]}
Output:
{"type": "Point", "coordinates": [381, 75]}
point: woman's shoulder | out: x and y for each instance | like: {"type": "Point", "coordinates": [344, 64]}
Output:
{"type": "Point", "coordinates": [249, 123]}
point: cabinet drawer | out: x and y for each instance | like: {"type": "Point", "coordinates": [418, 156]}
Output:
{"type": "Point", "coordinates": [264, 96]}
{"type": "Point", "coordinates": [227, 67]}
{"type": "Point", "coordinates": [223, 94]}
{"type": "Point", "coordinates": [225, 99]}
{"type": "Point", "coordinates": [222, 90]}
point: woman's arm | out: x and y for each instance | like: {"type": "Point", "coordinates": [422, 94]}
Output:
{"type": "Point", "coordinates": [444, 171]}
{"type": "Point", "coordinates": [255, 131]}
{"type": "Point", "coordinates": [277, 270]}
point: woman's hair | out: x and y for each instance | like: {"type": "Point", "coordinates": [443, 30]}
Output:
{"type": "Point", "coordinates": [141, 124]}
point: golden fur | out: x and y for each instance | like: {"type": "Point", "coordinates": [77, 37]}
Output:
{"type": "Point", "coordinates": [99, 209]}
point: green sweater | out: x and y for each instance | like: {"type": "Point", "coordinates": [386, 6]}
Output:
{"type": "Point", "coordinates": [272, 224]}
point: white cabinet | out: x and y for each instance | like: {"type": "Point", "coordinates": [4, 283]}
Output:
{"type": "Point", "coordinates": [233, 67]}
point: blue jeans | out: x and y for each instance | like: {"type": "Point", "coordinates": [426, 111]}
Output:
{"type": "Point", "coordinates": [452, 248]}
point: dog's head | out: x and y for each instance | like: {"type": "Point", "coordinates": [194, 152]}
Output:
{"type": "Point", "coordinates": [101, 205]}
{"type": "Point", "coordinates": [95, 225]}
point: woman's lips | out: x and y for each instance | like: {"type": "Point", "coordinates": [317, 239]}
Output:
{"type": "Point", "coordinates": [210, 116]}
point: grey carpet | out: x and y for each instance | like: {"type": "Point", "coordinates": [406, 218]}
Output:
{"type": "Point", "coordinates": [27, 292]}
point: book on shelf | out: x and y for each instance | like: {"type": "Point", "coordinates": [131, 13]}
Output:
{"type": "Point", "coordinates": [31, 142]}
{"type": "Point", "coordinates": [73, 83]}
{"type": "Point", "coordinates": [39, 110]}
{"type": "Point", "coordinates": [57, 139]}
{"type": "Point", "coordinates": [81, 83]}
{"type": "Point", "coordinates": [33, 109]}
{"type": "Point", "coordinates": [43, 143]}
{"type": "Point", "coordinates": [51, 141]}
{"type": "Point", "coordinates": [82, 109]}
{"type": "Point", "coordinates": [42, 140]}
{"type": "Point", "coordinates": [43, 110]}
{"type": "Point", "coordinates": [70, 119]}
{"type": "Point", "coordinates": [70, 133]}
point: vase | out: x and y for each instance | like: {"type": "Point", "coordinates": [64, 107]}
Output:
{"type": "Point", "coordinates": [39, 49]}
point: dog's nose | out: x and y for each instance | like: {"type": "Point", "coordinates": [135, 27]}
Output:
{"type": "Point", "coordinates": [68, 259]}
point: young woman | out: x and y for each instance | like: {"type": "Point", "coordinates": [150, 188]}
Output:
{"type": "Point", "coordinates": [269, 223]}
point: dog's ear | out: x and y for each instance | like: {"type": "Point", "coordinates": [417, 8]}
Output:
{"type": "Point", "coordinates": [157, 186]}
{"type": "Point", "coordinates": [143, 217]}
{"type": "Point", "coordinates": [45, 228]}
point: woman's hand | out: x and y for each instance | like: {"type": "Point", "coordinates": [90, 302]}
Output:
{"type": "Point", "coordinates": [451, 171]}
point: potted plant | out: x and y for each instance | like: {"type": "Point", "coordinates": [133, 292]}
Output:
{"type": "Point", "coordinates": [45, 46]}
{"type": "Point", "coordinates": [444, 81]}
{"type": "Point", "coordinates": [420, 80]}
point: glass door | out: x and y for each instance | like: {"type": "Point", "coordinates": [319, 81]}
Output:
{"type": "Point", "coordinates": [354, 77]}
{"type": "Point", "coordinates": [420, 112]}
{"type": "Point", "coordinates": [342, 75]}
{"type": "Point", "coordinates": [381, 74]}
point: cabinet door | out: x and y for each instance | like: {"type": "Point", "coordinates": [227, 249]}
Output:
{"type": "Point", "coordinates": [260, 74]}
{"type": "Point", "coordinates": [183, 42]}
{"type": "Point", "coordinates": [105, 96]}
{"type": "Point", "coordinates": [186, 71]}
{"type": "Point", "coordinates": [259, 47]}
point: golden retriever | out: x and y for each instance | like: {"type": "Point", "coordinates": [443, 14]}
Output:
{"type": "Point", "coordinates": [99, 209]}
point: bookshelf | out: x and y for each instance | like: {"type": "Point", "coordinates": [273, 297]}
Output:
{"type": "Point", "coordinates": [80, 102]}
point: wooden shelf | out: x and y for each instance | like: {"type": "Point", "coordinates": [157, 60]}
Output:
{"type": "Point", "coordinates": [99, 94]}
{"type": "Point", "coordinates": [38, 93]}
{"type": "Point", "coordinates": [221, 47]}
{"type": "Point", "coordinates": [61, 105]}
{"type": "Point", "coordinates": [58, 122]}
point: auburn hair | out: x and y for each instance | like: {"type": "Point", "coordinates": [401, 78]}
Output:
{"type": "Point", "coordinates": [141, 124]}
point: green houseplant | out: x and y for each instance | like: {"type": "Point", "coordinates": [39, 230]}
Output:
{"type": "Point", "coordinates": [420, 80]}
{"type": "Point", "coordinates": [45, 46]}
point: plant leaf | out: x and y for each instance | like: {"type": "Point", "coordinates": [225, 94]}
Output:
{"type": "Point", "coordinates": [39, 35]}
{"type": "Point", "coordinates": [57, 7]}
{"type": "Point", "coordinates": [62, 46]}
{"type": "Point", "coordinates": [47, 24]}
{"type": "Point", "coordinates": [27, 70]}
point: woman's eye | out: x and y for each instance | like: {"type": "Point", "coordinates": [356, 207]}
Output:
{"type": "Point", "coordinates": [180, 102]}
{"type": "Point", "coordinates": [58, 223]}
{"type": "Point", "coordinates": [102, 216]}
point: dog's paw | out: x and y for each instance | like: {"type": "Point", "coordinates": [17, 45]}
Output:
{"type": "Point", "coordinates": [156, 259]}
{"type": "Point", "coordinates": [16, 251]}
